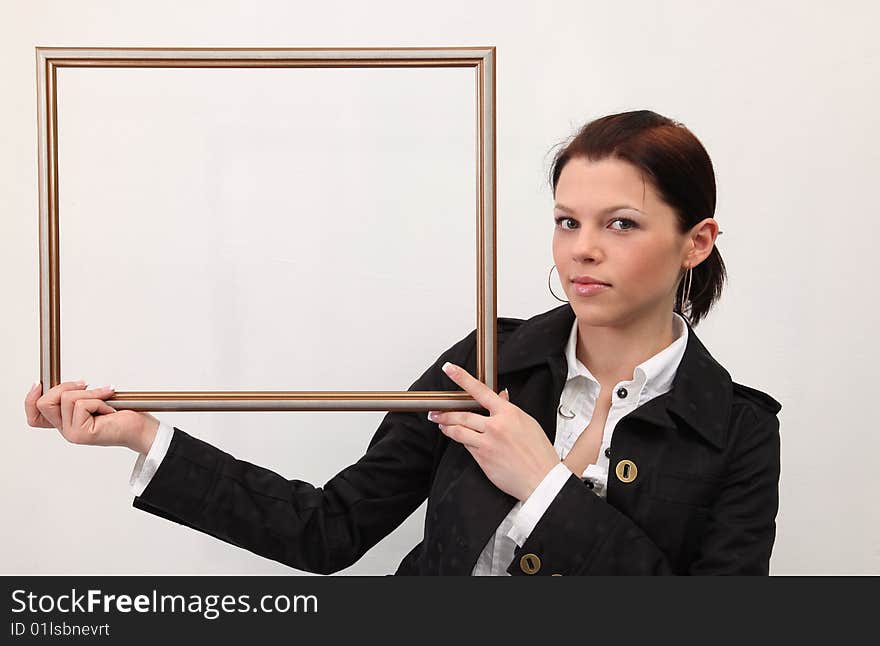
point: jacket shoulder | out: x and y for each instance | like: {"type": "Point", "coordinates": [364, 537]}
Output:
{"type": "Point", "coordinates": [754, 398]}
{"type": "Point", "coordinates": [462, 353]}
{"type": "Point", "coordinates": [506, 324]}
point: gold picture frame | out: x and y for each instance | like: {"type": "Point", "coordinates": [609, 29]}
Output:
{"type": "Point", "coordinates": [481, 59]}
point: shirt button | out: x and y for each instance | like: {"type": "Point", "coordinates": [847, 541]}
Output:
{"type": "Point", "coordinates": [621, 392]}
{"type": "Point", "coordinates": [608, 452]}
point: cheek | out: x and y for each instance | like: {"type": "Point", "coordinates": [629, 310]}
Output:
{"type": "Point", "coordinates": [651, 269]}
{"type": "Point", "coordinates": [557, 247]}
{"type": "Point", "coordinates": [643, 261]}
{"type": "Point", "coordinates": [646, 267]}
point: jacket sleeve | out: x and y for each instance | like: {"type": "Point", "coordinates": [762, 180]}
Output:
{"type": "Point", "coordinates": [581, 534]}
{"type": "Point", "coordinates": [314, 529]}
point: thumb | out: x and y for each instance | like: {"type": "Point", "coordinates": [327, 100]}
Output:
{"type": "Point", "coordinates": [99, 425]}
{"type": "Point", "coordinates": [104, 409]}
{"type": "Point", "coordinates": [505, 395]}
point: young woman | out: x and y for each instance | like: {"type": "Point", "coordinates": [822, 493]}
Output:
{"type": "Point", "coordinates": [618, 445]}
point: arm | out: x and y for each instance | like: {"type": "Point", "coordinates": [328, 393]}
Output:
{"type": "Point", "coordinates": [315, 529]}
{"type": "Point", "coordinates": [738, 537]}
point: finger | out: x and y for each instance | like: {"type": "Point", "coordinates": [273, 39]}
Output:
{"type": "Point", "coordinates": [85, 425]}
{"type": "Point", "coordinates": [49, 403]}
{"type": "Point", "coordinates": [34, 393]}
{"type": "Point", "coordinates": [69, 398]}
{"type": "Point", "coordinates": [485, 396]}
{"type": "Point", "coordinates": [52, 397]}
{"type": "Point", "coordinates": [466, 436]}
{"type": "Point", "coordinates": [32, 415]}
{"type": "Point", "coordinates": [505, 395]}
{"type": "Point", "coordinates": [473, 421]}
{"type": "Point", "coordinates": [102, 408]}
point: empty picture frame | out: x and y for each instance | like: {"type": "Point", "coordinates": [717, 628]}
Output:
{"type": "Point", "coordinates": [480, 60]}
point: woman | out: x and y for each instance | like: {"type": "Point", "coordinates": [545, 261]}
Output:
{"type": "Point", "coordinates": [618, 445]}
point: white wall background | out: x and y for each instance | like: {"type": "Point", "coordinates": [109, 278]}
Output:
{"type": "Point", "coordinates": [784, 95]}
{"type": "Point", "coordinates": [264, 223]}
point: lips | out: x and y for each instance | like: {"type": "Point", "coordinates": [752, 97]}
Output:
{"type": "Point", "coordinates": [588, 280]}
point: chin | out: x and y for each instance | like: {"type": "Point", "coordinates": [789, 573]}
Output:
{"type": "Point", "coordinates": [593, 314]}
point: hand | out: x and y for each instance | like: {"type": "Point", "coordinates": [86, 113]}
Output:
{"type": "Point", "coordinates": [71, 410]}
{"type": "Point", "coordinates": [509, 445]}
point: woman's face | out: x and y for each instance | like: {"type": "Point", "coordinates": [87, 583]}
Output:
{"type": "Point", "coordinates": [612, 225]}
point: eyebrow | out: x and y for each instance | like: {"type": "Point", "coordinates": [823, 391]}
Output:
{"type": "Point", "coordinates": [608, 209]}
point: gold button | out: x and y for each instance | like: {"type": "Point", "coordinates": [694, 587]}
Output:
{"type": "Point", "coordinates": [530, 563]}
{"type": "Point", "coordinates": [626, 470]}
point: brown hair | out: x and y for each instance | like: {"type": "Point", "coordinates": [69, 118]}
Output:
{"type": "Point", "coordinates": [677, 165]}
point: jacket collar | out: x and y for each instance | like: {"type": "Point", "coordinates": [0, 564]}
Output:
{"type": "Point", "coordinates": [701, 392]}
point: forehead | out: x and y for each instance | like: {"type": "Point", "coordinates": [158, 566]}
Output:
{"type": "Point", "coordinates": [590, 186]}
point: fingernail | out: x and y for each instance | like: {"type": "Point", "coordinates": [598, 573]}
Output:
{"type": "Point", "coordinates": [107, 388]}
{"type": "Point", "coordinates": [34, 387]}
{"type": "Point", "coordinates": [431, 416]}
{"type": "Point", "coordinates": [81, 382]}
{"type": "Point", "coordinates": [447, 367]}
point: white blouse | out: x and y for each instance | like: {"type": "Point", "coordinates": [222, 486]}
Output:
{"type": "Point", "coordinates": [651, 378]}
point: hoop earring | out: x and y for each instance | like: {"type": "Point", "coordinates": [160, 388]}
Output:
{"type": "Point", "coordinates": [550, 288]}
{"type": "Point", "coordinates": [685, 299]}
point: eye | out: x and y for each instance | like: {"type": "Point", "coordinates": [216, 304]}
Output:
{"type": "Point", "coordinates": [559, 221]}
{"type": "Point", "coordinates": [633, 224]}
{"type": "Point", "coordinates": [630, 224]}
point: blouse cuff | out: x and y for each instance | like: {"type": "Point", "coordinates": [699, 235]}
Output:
{"type": "Point", "coordinates": [536, 504]}
{"type": "Point", "coordinates": [146, 465]}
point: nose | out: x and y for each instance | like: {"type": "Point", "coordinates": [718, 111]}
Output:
{"type": "Point", "coordinates": [586, 246]}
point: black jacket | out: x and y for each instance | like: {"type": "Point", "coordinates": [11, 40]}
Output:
{"type": "Point", "coordinates": [703, 501]}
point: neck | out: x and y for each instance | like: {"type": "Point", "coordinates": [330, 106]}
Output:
{"type": "Point", "coordinates": [611, 353]}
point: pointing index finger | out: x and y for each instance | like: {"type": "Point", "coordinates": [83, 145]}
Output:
{"type": "Point", "coordinates": [485, 396]}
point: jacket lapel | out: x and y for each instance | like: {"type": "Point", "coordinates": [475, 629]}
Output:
{"type": "Point", "coordinates": [700, 397]}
